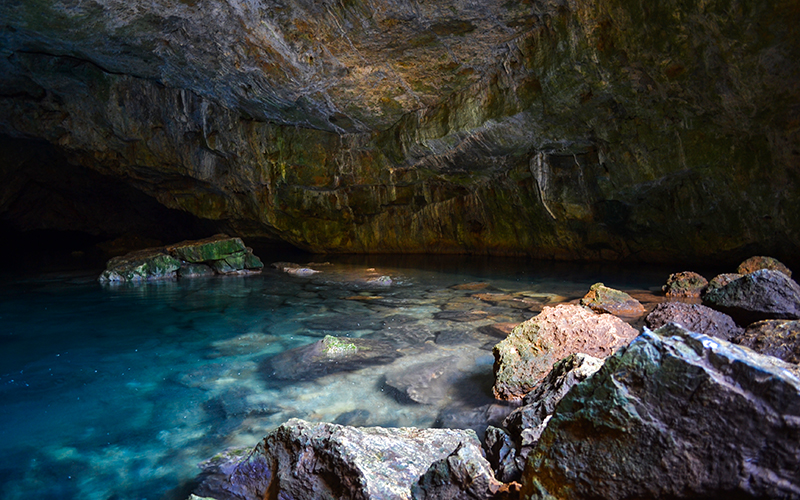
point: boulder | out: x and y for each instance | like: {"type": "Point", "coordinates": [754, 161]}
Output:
{"type": "Point", "coordinates": [719, 281]}
{"type": "Point", "coordinates": [463, 475]}
{"type": "Point", "coordinates": [525, 424]}
{"type": "Point", "coordinates": [143, 265]}
{"type": "Point", "coordinates": [685, 285]}
{"type": "Point", "coordinates": [695, 317]}
{"type": "Point", "coordinates": [330, 355]}
{"type": "Point", "coordinates": [219, 254]}
{"type": "Point", "coordinates": [216, 247]}
{"type": "Point", "coordinates": [602, 299]}
{"type": "Point", "coordinates": [773, 337]}
{"type": "Point", "coordinates": [533, 347]}
{"type": "Point", "coordinates": [764, 294]}
{"type": "Point", "coordinates": [675, 414]}
{"type": "Point", "coordinates": [754, 264]}
{"type": "Point", "coordinates": [302, 460]}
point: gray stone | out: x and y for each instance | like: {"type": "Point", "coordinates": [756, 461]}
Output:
{"type": "Point", "coordinates": [695, 317]}
{"type": "Point", "coordinates": [763, 294]}
{"type": "Point", "coordinates": [143, 265]}
{"type": "Point", "coordinates": [463, 475]}
{"type": "Point", "coordinates": [675, 414]}
{"type": "Point", "coordinates": [525, 424]}
{"type": "Point", "coordinates": [426, 382]}
{"type": "Point", "coordinates": [302, 460]}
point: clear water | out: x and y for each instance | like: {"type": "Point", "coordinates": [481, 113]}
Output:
{"type": "Point", "coordinates": [118, 392]}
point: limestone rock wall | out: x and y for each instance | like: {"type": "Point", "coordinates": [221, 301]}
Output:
{"type": "Point", "coordinates": [602, 129]}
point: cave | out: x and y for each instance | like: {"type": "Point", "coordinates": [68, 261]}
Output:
{"type": "Point", "coordinates": [417, 177]}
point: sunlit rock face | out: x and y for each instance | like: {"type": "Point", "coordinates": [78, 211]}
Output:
{"type": "Point", "coordinates": [606, 129]}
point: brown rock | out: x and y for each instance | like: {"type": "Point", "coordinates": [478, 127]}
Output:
{"type": "Point", "coordinates": [603, 299]}
{"type": "Point", "coordinates": [685, 284]}
{"type": "Point", "coordinates": [773, 337]}
{"type": "Point", "coordinates": [756, 263]}
{"type": "Point", "coordinates": [529, 353]}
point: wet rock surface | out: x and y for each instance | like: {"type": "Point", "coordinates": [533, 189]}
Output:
{"type": "Point", "coordinates": [762, 294]}
{"type": "Point", "coordinates": [302, 460]}
{"type": "Point", "coordinates": [773, 337]}
{"type": "Point", "coordinates": [464, 474]}
{"type": "Point", "coordinates": [602, 299]}
{"type": "Point", "coordinates": [531, 350]}
{"type": "Point", "coordinates": [694, 317]}
{"type": "Point", "coordinates": [647, 425]}
{"type": "Point", "coordinates": [330, 355]}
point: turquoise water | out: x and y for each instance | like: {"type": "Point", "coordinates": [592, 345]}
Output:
{"type": "Point", "coordinates": [118, 392]}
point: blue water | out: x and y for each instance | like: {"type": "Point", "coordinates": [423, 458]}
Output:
{"type": "Point", "coordinates": [120, 391]}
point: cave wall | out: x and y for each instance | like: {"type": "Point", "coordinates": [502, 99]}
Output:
{"type": "Point", "coordinates": [605, 129]}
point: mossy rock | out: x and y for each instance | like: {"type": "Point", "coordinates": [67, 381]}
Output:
{"type": "Point", "coordinates": [144, 265]}
{"type": "Point", "coordinates": [217, 247]}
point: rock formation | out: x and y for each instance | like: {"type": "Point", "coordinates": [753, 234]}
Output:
{"type": "Point", "coordinates": [763, 294]}
{"type": "Point", "coordinates": [301, 460]}
{"type": "Point", "coordinates": [694, 317]}
{"type": "Point", "coordinates": [674, 415]}
{"type": "Point", "coordinates": [602, 299]}
{"type": "Point", "coordinates": [533, 347]}
{"type": "Point", "coordinates": [686, 284]}
{"type": "Point", "coordinates": [597, 129]}
{"type": "Point", "coordinates": [219, 254]}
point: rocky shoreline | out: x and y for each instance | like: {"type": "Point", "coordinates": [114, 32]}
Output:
{"type": "Point", "coordinates": [698, 405]}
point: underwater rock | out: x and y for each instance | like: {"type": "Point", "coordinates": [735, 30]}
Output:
{"type": "Point", "coordinates": [763, 294]}
{"type": "Point", "coordinates": [694, 317]}
{"type": "Point", "coordinates": [602, 299]}
{"type": "Point", "coordinates": [464, 475]}
{"type": "Point", "coordinates": [142, 265]}
{"type": "Point", "coordinates": [426, 382]}
{"type": "Point", "coordinates": [330, 355]}
{"type": "Point", "coordinates": [220, 253]}
{"type": "Point", "coordinates": [773, 337]}
{"type": "Point", "coordinates": [461, 316]}
{"type": "Point", "coordinates": [675, 414]}
{"type": "Point", "coordinates": [524, 425]}
{"type": "Point", "coordinates": [306, 461]}
{"type": "Point", "coordinates": [756, 263]}
{"type": "Point", "coordinates": [529, 353]}
{"type": "Point", "coordinates": [686, 284]}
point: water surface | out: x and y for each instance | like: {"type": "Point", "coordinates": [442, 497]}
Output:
{"type": "Point", "coordinates": [118, 392]}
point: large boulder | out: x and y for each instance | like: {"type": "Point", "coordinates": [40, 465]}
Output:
{"type": "Point", "coordinates": [757, 263]}
{"type": "Point", "coordinates": [773, 337]}
{"type": "Point", "coordinates": [143, 265]}
{"type": "Point", "coordinates": [533, 347]}
{"type": "Point", "coordinates": [686, 284]}
{"type": "Point", "coordinates": [763, 294]}
{"type": "Point", "coordinates": [695, 317]}
{"type": "Point", "coordinates": [675, 414]}
{"type": "Point", "coordinates": [302, 460]}
{"type": "Point", "coordinates": [603, 299]}
{"type": "Point", "coordinates": [507, 449]}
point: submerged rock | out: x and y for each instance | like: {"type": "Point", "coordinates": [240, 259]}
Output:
{"type": "Point", "coordinates": [533, 347]}
{"type": "Point", "coordinates": [301, 460]}
{"type": "Point", "coordinates": [757, 263]}
{"type": "Point", "coordinates": [695, 317]}
{"type": "Point", "coordinates": [686, 284]}
{"type": "Point", "coordinates": [773, 337]}
{"type": "Point", "coordinates": [143, 265]}
{"type": "Point", "coordinates": [330, 355]}
{"type": "Point", "coordinates": [763, 294]}
{"type": "Point", "coordinates": [602, 299]}
{"type": "Point", "coordinates": [675, 414]}
{"type": "Point", "coordinates": [508, 449]}
{"type": "Point", "coordinates": [426, 382]}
